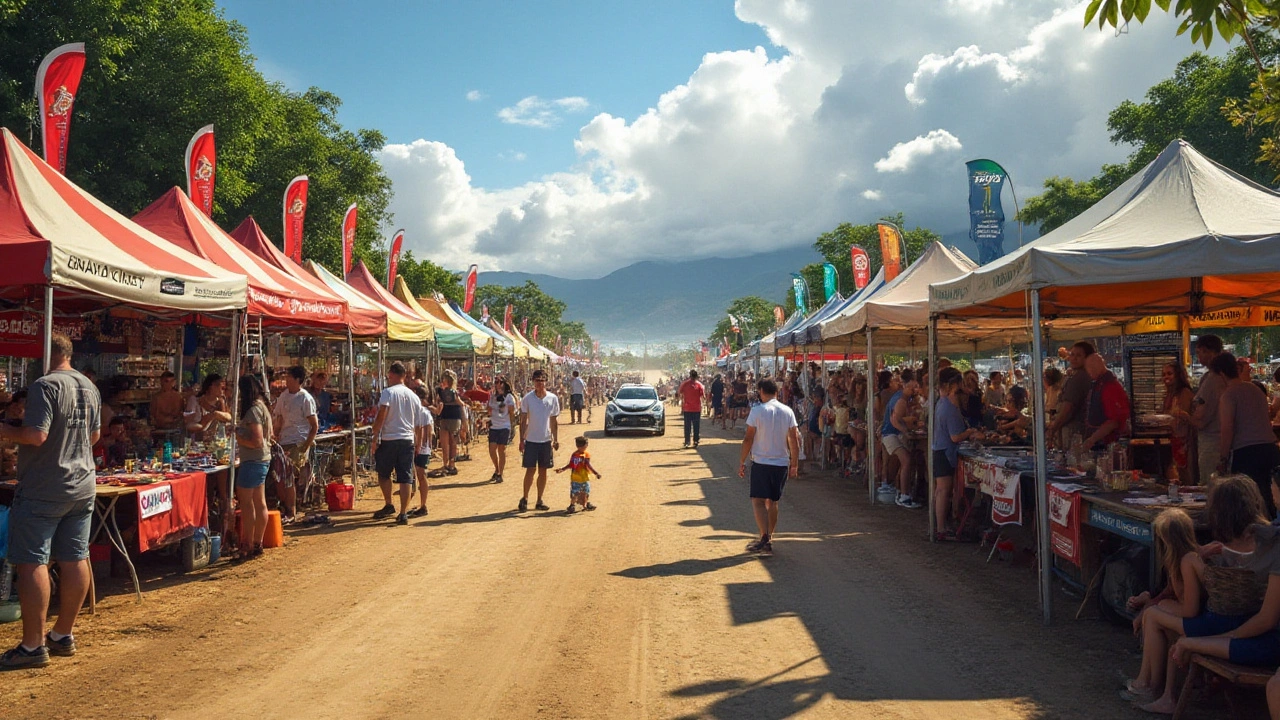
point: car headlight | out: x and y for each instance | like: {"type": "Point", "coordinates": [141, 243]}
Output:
{"type": "Point", "coordinates": [657, 408]}
{"type": "Point", "coordinates": [611, 408]}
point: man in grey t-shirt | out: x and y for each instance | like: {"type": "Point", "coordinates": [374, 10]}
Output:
{"type": "Point", "coordinates": [1074, 399]}
{"type": "Point", "coordinates": [53, 504]}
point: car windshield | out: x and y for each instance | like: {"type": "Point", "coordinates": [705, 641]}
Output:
{"type": "Point", "coordinates": [637, 394]}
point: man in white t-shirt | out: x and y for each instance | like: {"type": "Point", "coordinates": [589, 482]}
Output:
{"type": "Point", "coordinates": [539, 436]}
{"type": "Point", "coordinates": [395, 430]}
{"type": "Point", "coordinates": [296, 425]}
{"type": "Point", "coordinates": [773, 444]}
{"type": "Point", "coordinates": [577, 398]}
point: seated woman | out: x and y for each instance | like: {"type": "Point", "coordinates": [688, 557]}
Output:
{"type": "Point", "coordinates": [1233, 514]}
{"type": "Point", "coordinates": [1015, 420]}
{"type": "Point", "coordinates": [207, 409]}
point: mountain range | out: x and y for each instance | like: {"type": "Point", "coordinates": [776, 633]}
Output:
{"type": "Point", "coordinates": [659, 301]}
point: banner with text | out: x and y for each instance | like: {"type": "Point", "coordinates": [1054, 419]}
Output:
{"type": "Point", "coordinates": [861, 267]}
{"type": "Point", "coordinates": [349, 221]}
{"type": "Point", "coordinates": [393, 259]}
{"type": "Point", "coordinates": [295, 211]}
{"type": "Point", "coordinates": [830, 281]}
{"type": "Point", "coordinates": [202, 165]}
{"type": "Point", "coordinates": [57, 82]}
{"type": "Point", "coordinates": [473, 273]}
{"type": "Point", "coordinates": [986, 216]}
{"type": "Point", "coordinates": [890, 250]}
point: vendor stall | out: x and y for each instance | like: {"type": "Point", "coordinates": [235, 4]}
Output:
{"type": "Point", "coordinates": [1184, 236]}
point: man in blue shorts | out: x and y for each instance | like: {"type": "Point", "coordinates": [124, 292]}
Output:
{"type": "Point", "coordinates": [53, 505]}
{"type": "Point", "coordinates": [773, 444]}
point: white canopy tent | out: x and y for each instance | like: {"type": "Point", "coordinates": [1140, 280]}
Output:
{"type": "Point", "coordinates": [1185, 235]}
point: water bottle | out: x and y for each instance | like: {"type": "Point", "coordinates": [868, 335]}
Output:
{"type": "Point", "coordinates": [168, 452]}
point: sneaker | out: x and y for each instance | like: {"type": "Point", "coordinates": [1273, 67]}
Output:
{"type": "Point", "coordinates": [573, 508]}
{"type": "Point", "coordinates": [541, 506]}
{"type": "Point", "coordinates": [497, 478]}
{"type": "Point", "coordinates": [695, 444]}
{"type": "Point", "coordinates": [66, 647]}
{"type": "Point", "coordinates": [402, 519]}
{"type": "Point", "coordinates": [756, 546]}
{"type": "Point", "coordinates": [20, 658]}
{"type": "Point", "coordinates": [523, 506]}
{"type": "Point", "coordinates": [767, 548]}
{"type": "Point", "coordinates": [386, 512]}
{"type": "Point", "coordinates": [907, 501]}
{"type": "Point", "coordinates": [418, 512]}
{"type": "Point", "coordinates": [686, 446]}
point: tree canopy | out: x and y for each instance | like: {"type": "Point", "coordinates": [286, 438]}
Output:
{"type": "Point", "coordinates": [158, 70]}
{"type": "Point", "coordinates": [755, 320]}
{"type": "Point", "coordinates": [1188, 105]}
{"type": "Point", "coordinates": [529, 301]}
{"type": "Point", "coordinates": [834, 247]}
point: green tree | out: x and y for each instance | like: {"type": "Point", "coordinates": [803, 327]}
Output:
{"type": "Point", "coordinates": [834, 247]}
{"type": "Point", "coordinates": [1188, 105]}
{"type": "Point", "coordinates": [425, 277]}
{"type": "Point", "coordinates": [529, 301]}
{"type": "Point", "coordinates": [158, 70]}
{"type": "Point", "coordinates": [755, 320]}
{"type": "Point", "coordinates": [1256, 22]}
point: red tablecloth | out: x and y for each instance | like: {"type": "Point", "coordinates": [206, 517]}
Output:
{"type": "Point", "coordinates": [168, 510]}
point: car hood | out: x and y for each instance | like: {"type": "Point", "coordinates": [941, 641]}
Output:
{"type": "Point", "coordinates": [634, 405]}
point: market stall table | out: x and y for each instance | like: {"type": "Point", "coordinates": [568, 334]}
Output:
{"type": "Point", "coordinates": [168, 510]}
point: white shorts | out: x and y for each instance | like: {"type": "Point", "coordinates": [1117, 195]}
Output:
{"type": "Point", "coordinates": [893, 443]}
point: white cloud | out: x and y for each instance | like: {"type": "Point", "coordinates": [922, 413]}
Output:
{"type": "Point", "coordinates": [475, 96]}
{"type": "Point", "coordinates": [535, 112]}
{"type": "Point", "coordinates": [752, 153]}
{"type": "Point", "coordinates": [905, 154]}
{"type": "Point", "coordinates": [513, 156]}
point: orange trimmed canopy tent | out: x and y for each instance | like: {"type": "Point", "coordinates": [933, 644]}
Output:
{"type": "Point", "coordinates": [1184, 236]}
{"type": "Point", "coordinates": [273, 295]}
{"type": "Point", "coordinates": [365, 320]}
{"type": "Point", "coordinates": [61, 243]}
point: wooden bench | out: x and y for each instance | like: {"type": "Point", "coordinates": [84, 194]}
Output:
{"type": "Point", "coordinates": [1238, 675]}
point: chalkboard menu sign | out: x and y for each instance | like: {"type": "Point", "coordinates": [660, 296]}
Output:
{"type": "Point", "coordinates": [1144, 368]}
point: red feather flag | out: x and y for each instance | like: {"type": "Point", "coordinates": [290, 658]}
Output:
{"type": "Point", "coordinates": [295, 211]}
{"type": "Point", "coordinates": [57, 82]}
{"type": "Point", "coordinates": [394, 259]}
{"type": "Point", "coordinates": [472, 274]}
{"type": "Point", "coordinates": [202, 165]}
{"type": "Point", "coordinates": [349, 237]}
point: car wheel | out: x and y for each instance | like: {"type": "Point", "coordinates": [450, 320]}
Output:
{"type": "Point", "coordinates": [608, 432]}
{"type": "Point", "coordinates": [662, 429]}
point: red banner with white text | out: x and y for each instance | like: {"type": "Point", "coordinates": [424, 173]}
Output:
{"type": "Point", "coordinates": [202, 165]}
{"type": "Point", "coordinates": [506, 320]}
{"type": "Point", "coordinates": [57, 82]}
{"type": "Point", "coordinates": [348, 237]}
{"type": "Point", "coordinates": [393, 260]}
{"type": "Point", "coordinates": [861, 266]}
{"type": "Point", "coordinates": [472, 275]}
{"type": "Point", "coordinates": [295, 211]}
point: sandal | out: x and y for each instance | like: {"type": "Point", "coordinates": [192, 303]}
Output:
{"type": "Point", "coordinates": [451, 471]}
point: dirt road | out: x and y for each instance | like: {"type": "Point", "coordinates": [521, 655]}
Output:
{"type": "Point", "coordinates": [646, 608]}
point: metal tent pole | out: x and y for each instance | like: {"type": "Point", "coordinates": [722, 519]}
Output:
{"type": "Point", "coordinates": [872, 447]}
{"type": "Point", "coordinates": [48, 325]}
{"type": "Point", "coordinates": [1042, 490]}
{"type": "Point", "coordinates": [931, 384]}
{"type": "Point", "coordinates": [351, 401]}
{"type": "Point", "coordinates": [237, 328]}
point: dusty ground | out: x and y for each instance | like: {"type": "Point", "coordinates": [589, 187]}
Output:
{"type": "Point", "coordinates": [646, 608]}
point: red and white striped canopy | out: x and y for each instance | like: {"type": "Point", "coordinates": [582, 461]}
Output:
{"type": "Point", "coordinates": [52, 232]}
{"type": "Point", "coordinates": [273, 295]}
{"type": "Point", "coordinates": [366, 320]}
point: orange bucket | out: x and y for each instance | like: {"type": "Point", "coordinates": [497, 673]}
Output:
{"type": "Point", "coordinates": [274, 536]}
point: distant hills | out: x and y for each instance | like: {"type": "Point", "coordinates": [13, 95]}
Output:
{"type": "Point", "coordinates": [680, 301]}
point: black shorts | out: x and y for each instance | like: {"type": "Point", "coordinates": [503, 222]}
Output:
{"type": "Point", "coordinates": [422, 460]}
{"type": "Point", "coordinates": [537, 455]}
{"type": "Point", "coordinates": [767, 481]}
{"type": "Point", "coordinates": [942, 467]}
{"type": "Point", "coordinates": [575, 402]}
{"type": "Point", "coordinates": [717, 404]}
{"type": "Point", "coordinates": [499, 436]}
{"type": "Point", "coordinates": [395, 456]}
{"type": "Point", "coordinates": [843, 440]}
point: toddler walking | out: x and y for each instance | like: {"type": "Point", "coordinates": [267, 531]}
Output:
{"type": "Point", "coordinates": [580, 480]}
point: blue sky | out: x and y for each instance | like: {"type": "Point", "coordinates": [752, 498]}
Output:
{"type": "Point", "coordinates": [406, 67]}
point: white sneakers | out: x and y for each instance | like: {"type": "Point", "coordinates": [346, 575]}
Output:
{"type": "Point", "coordinates": [907, 501]}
